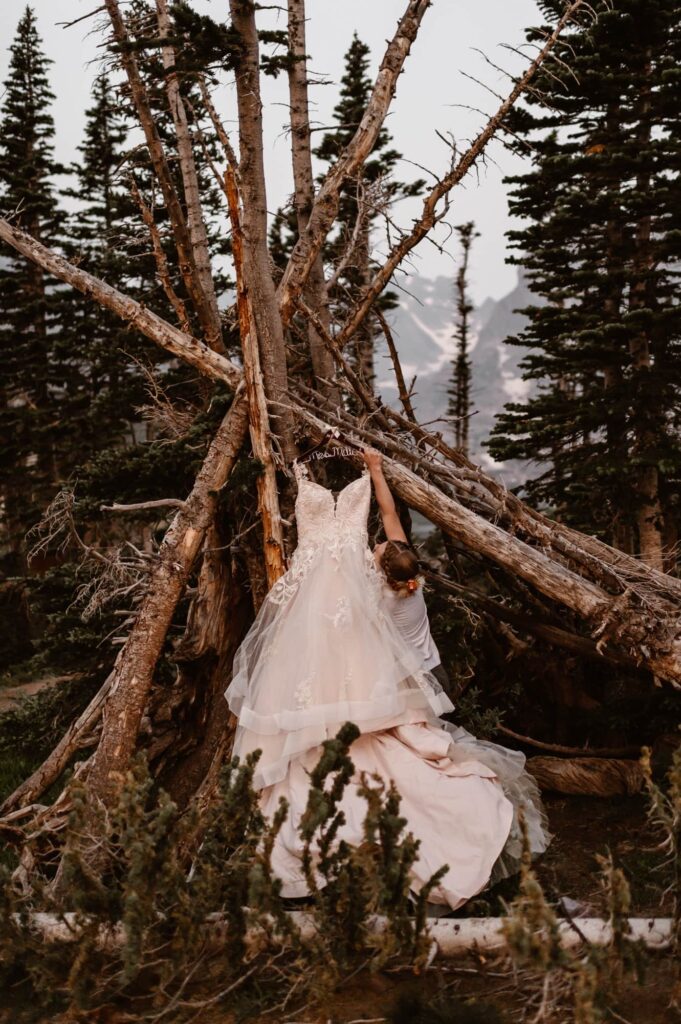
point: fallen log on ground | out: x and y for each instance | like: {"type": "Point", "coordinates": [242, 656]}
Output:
{"type": "Point", "coordinates": [587, 776]}
{"type": "Point", "coordinates": [452, 936]}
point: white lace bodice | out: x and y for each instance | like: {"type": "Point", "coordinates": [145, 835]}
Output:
{"type": "Point", "coordinates": [330, 525]}
{"type": "Point", "coordinates": [323, 519]}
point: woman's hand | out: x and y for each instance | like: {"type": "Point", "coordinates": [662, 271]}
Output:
{"type": "Point", "coordinates": [373, 459]}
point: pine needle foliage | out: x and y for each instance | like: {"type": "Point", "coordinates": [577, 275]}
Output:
{"type": "Point", "coordinates": [168, 922]}
{"type": "Point", "coordinates": [583, 982]}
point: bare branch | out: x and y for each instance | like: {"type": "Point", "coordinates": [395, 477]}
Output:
{"type": "Point", "coordinates": [404, 394]}
{"type": "Point", "coordinates": [325, 207]}
{"type": "Point", "coordinates": [430, 215]}
{"type": "Point", "coordinates": [149, 324]}
{"type": "Point", "coordinates": [141, 506]}
{"type": "Point", "coordinates": [160, 257]}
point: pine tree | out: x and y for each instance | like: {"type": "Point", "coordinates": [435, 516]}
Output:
{"type": "Point", "coordinates": [460, 405]}
{"type": "Point", "coordinates": [99, 392]}
{"type": "Point", "coordinates": [602, 247]}
{"type": "Point", "coordinates": [363, 199]}
{"type": "Point", "coordinates": [29, 434]}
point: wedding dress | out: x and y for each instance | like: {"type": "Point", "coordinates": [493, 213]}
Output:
{"type": "Point", "coordinates": [323, 651]}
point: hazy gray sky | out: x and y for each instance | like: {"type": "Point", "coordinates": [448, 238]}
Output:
{"type": "Point", "coordinates": [433, 83]}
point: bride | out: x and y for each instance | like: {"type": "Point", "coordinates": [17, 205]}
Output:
{"type": "Point", "coordinates": [328, 646]}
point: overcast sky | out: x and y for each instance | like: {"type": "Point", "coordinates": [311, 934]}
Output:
{"type": "Point", "coordinates": [431, 96]}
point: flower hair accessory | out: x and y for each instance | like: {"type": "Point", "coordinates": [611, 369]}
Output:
{"type": "Point", "coordinates": [412, 585]}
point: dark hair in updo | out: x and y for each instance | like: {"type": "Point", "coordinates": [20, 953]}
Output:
{"type": "Point", "coordinates": [400, 565]}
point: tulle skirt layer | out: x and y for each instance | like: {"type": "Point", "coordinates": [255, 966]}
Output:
{"type": "Point", "coordinates": [321, 652]}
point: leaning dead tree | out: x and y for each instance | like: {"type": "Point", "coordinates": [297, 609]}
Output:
{"type": "Point", "coordinates": [630, 611]}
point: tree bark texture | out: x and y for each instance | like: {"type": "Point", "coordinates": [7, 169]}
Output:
{"type": "Point", "coordinates": [257, 263]}
{"type": "Point", "coordinates": [258, 414]}
{"type": "Point", "coordinates": [219, 615]}
{"type": "Point", "coordinates": [315, 291]}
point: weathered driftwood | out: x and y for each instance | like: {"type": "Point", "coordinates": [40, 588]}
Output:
{"type": "Point", "coordinates": [650, 634]}
{"type": "Point", "coordinates": [587, 776]}
{"type": "Point", "coordinates": [451, 937]}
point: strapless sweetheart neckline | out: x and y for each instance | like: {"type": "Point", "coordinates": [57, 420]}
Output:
{"type": "Point", "coordinates": [327, 490]}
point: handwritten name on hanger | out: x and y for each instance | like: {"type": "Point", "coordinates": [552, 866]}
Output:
{"type": "Point", "coordinates": [329, 455]}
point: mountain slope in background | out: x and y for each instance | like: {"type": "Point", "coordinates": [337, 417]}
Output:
{"type": "Point", "coordinates": [423, 328]}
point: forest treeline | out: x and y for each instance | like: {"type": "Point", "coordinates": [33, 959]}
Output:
{"type": "Point", "coordinates": [94, 415]}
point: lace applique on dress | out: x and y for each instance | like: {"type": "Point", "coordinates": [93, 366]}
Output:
{"type": "Point", "coordinates": [342, 617]}
{"type": "Point", "coordinates": [287, 585]}
{"type": "Point", "coordinates": [345, 683]}
{"type": "Point", "coordinates": [303, 693]}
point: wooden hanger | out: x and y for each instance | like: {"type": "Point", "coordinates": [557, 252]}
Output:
{"type": "Point", "coordinates": [320, 444]}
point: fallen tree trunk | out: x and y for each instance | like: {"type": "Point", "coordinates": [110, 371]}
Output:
{"type": "Point", "coordinates": [154, 327]}
{"type": "Point", "coordinates": [554, 635]}
{"type": "Point", "coordinates": [134, 670]}
{"type": "Point", "coordinates": [587, 776]}
{"type": "Point", "coordinates": [452, 937]}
